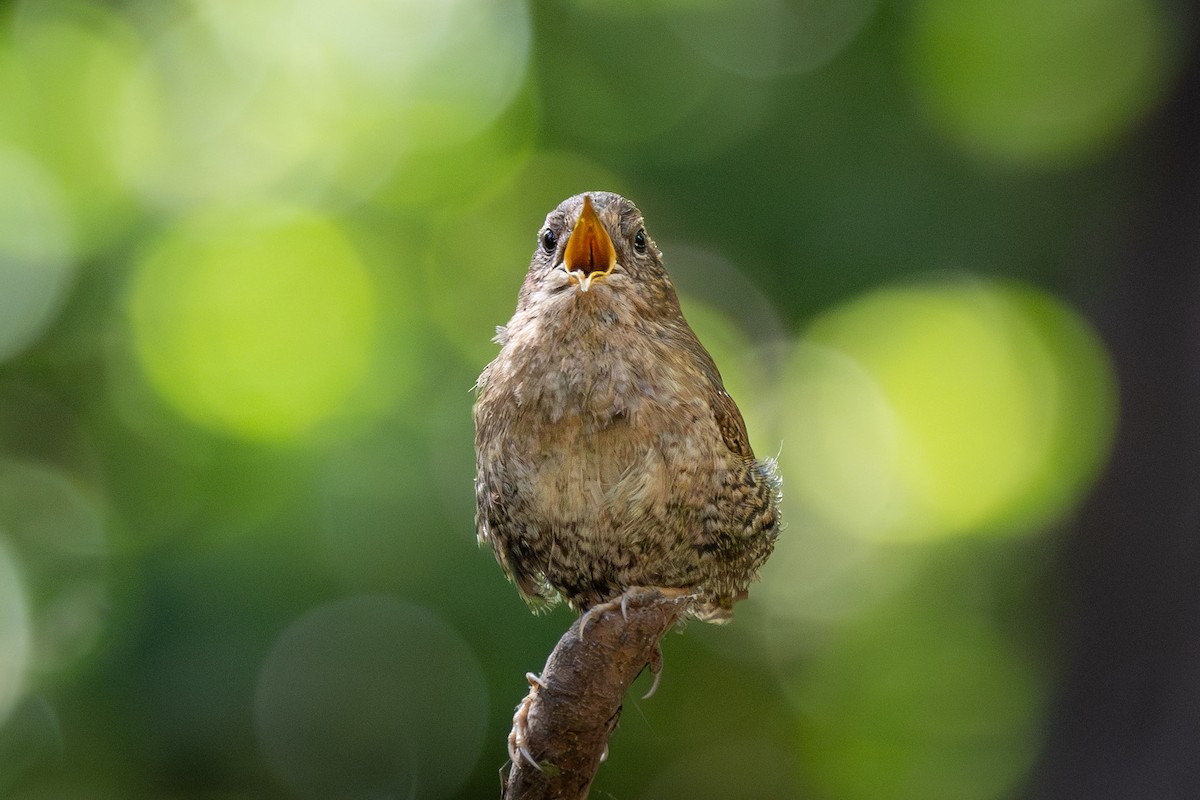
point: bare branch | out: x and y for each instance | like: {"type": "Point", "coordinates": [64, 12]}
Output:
{"type": "Point", "coordinates": [561, 729]}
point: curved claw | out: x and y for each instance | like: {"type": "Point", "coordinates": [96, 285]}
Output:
{"type": "Point", "coordinates": [656, 666]}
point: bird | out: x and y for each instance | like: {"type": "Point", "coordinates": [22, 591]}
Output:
{"type": "Point", "coordinates": [609, 456]}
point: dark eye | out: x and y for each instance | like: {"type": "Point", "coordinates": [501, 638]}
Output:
{"type": "Point", "coordinates": [549, 241]}
{"type": "Point", "coordinates": [639, 241]}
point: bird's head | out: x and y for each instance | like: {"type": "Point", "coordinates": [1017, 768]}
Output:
{"type": "Point", "coordinates": [593, 244]}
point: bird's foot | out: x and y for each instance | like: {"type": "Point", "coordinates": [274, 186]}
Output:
{"type": "Point", "coordinates": [518, 737]}
{"type": "Point", "coordinates": [632, 597]}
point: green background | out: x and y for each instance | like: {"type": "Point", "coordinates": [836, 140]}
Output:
{"type": "Point", "coordinates": [251, 258]}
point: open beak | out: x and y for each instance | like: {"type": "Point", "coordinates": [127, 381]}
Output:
{"type": "Point", "coordinates": [590, 253]}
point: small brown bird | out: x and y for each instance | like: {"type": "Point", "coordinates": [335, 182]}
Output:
{"type": "Point", "coordinates": [608, 454]}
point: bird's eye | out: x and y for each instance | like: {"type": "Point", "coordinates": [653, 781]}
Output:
{"type": "Point", "coordinates": [639, 241]}
{"type": "Point", "coordinates": [549, 241]}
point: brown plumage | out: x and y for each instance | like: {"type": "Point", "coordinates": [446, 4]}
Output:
{"type": "Point", "coordinates": [608, 453]}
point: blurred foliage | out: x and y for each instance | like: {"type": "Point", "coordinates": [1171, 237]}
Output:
{"type": "Point", "coordinates": [251, 258]}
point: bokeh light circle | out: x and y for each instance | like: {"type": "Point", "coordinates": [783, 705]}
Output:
{"type": "Point", "coordinates": [15, 637]}
{"type": "Point", "coordinates": [768, 38]}
{"type": "Point", "coordinates": [298, 96]}
{"type": "Point", "coordinates": [257, 322]}
{"type": "Point", "coordinates": [954, 413]}
{"type": "Point", "coordinates": [843, 495]}
{"type": "Point", "coordinates": [1040, 83]}
{"type": "Point", "coordinates": [55, 531]}
{"type": "Point", "coordinates": [1084, 411]}
{"type": "Point", "coordinates": [371, 697]}
{"type": "Point", "coordinates": [35, 250]}
{"type": "Point", "coordinates": [63, 68]}
{"type": "Point", "coordinates": [837, 410]}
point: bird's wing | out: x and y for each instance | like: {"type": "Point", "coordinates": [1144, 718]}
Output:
{"type": "Point", "coordinates": [730, 422]}
{"type": "Point", "coordinates": [725, 411]}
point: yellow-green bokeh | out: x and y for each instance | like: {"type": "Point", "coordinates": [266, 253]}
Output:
{"type": "Point", "coordinates": [1085, 408]}
{"type": "Point", "coordinates": [309, 100]}
{"type": "Point", "coordinates": [841, 445]}
{"type": "Point", "coordinates": [64, 67]}
{"type": "Point", "coordinates": [15, 631]}
{"type": "Point", "coordinates": [1040, 83]}
{"type": "Point", "coordinates": [942, 409]}
{"type": "Point", "coordinates": [258, 322]}
{"type": "Point", "coordinates": [36, 265]}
